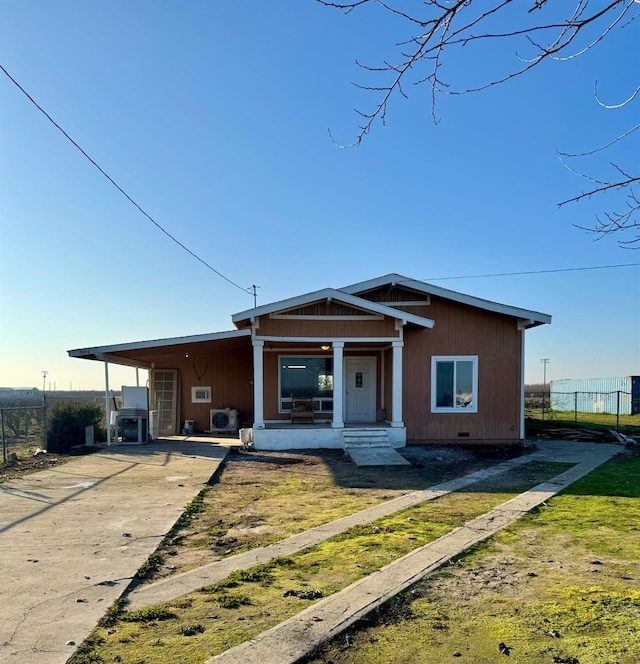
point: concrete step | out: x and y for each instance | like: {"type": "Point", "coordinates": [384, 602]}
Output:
{"type": "Point", "coordinates": [365, 438]}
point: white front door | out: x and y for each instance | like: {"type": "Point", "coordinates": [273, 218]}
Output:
{"type": "Point", "coordinates": [360, 389]}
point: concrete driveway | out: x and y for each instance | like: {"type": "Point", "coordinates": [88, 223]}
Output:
{"type": "Point", "coordinates": [72, 538]}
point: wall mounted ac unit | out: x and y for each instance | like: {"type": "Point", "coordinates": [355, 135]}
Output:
{"type": "Point", "coordinates": [224, 420]}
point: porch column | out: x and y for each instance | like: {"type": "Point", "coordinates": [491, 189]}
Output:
{"type": "Point", "coordinates": [396, 389]}
{"type": "Point", "coordinates": [338, 352]}
{"type": "Point", "coordinates": [258, 384]}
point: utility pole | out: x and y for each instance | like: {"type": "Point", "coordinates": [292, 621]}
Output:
{"type": "Point", "coordinates": [254, 292]}
{"type": "Point", "coordinates": [544, 363]}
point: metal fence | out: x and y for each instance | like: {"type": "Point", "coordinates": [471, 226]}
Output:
{"type": "Point", "coordinates": [606, 408]}
{"type": "Point", "coordinates": [23, 422]}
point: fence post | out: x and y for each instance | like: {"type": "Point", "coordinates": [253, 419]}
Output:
{"type": "Point", "coordinates": [44, 421]}
{"type": "Point", "coordinates": [4, 447]}
{"type": "Point", "coordinates": [575, 407]}
{"type": "Point", "coordinates": [618, 411]}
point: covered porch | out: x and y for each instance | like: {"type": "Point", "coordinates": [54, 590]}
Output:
{"type": "Point", "coordinates": [355, 386]}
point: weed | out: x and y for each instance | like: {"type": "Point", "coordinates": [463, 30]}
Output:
{"type": "Point", "coordinates": [151, 614]}
{"type": "Point", "coordinates": [191, 630]}
{"type": "Point", "coordinates": [256, 574]}
{"type": "Point", "coordinates": [111, 617]}
{"type": "Point", "coordinates": [150, 566]}
{"type": "Point", "coordinates": [232, 600]}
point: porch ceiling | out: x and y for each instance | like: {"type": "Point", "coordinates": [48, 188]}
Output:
{"type": "Point", "coordinates": [145, 354]}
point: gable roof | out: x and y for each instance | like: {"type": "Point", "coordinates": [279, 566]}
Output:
{"type": "Point", "coordinates": [531, 318]}
{"type": "Point", "coordinates": [332, 294]}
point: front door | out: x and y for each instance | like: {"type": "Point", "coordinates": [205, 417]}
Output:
{"type": "Point", "coordinates": [360, 389]}
{"type": "Point", "coordinates": [164, 399]}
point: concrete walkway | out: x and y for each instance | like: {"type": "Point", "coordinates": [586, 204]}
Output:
{"type": "Point", "coordinates": [295, 638]}
{"type": "Point", "coordinates": [73, 537]}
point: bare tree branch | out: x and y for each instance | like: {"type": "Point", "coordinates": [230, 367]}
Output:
{"type": "Point", "coordinates": [553, 31]}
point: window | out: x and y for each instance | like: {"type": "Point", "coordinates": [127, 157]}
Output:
{"type": "Point", "coordinates": [454, 384]}
{"type": "Point", "coordinates": [200, 395]}
{"type": "Point", "coordinates": [307, 377]}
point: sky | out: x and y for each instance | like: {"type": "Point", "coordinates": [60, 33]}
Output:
{"type": "Point", "coordinates": [215, 116]}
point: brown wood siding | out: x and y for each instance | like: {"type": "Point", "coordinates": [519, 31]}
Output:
{"type": "Point", "coordinates": [325, 309]}
{"type": "Point", "coordinates": [270, 327]}
{"type": "Point", "coordinates": [227, 367]}
{"type": "Point", "coordinates": [464, 330]}
{"type": "Point", "coordinates": [386, 294]}
{"type": "Point", "coordinates": [271, 396]}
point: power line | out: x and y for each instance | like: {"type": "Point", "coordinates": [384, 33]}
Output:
{"type": "Point", "coordinates": [119, 188]}
{"type": "Point", "coordinates": [511, 274]}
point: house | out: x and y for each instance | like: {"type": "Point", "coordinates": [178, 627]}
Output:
{"type": "Point", "coordinates": [422, 363]}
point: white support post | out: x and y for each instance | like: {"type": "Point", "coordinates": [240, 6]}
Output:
{"type": "Point", "coordinates": [137, 377]}
{"type": "Point", "coordinates": [338, 355]}
{"type": "Point", "coordinates": [258, 384]}
{"type": "Point", "coordinates": [522, 431]}
{"type": "Point", "coordinates": [107, 405]}
{"type": "Point", "coordinates": [382, 406]}
{"type": "Point", "coordinates": [396, 390]}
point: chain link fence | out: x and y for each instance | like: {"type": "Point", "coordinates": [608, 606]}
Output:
{"type": "Point", "coordinates": [612, 409]}
{"type": "Point", "coordinates": [23, 422]}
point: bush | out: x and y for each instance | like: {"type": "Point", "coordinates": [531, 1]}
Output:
{"type": "Point", "coordinates": [66, 425]}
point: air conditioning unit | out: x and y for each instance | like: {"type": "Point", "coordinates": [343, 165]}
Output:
{"type": "Point", "coordinates": [224, 420]}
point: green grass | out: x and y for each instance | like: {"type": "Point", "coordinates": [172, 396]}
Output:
{"type": "Point", "coordinates": [604, 421]}
{"type": "Point", "coordinates": [253, 600]}
{"type": "Point", "coordinates": [562, 582]}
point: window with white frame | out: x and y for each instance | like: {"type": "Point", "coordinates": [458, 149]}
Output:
{"type": "Point", "coordinates": [201, 394]}
{"type": "Point", "coordinates": [454, 383]}
{"type": "Point", "coordinates": [307, 377]}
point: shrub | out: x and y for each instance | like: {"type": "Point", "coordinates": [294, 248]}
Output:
{"type": "Point", "coordinates": [67, 422]}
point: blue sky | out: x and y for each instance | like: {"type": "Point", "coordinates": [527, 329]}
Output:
{"type": "Point", "coordinates": [213, 116]}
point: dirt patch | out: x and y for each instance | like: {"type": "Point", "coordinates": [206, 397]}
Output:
{"type": "Point", "coordinates": [262, 497]}
{"type": "Point", "coordinates": [17, 466]}
{"type": "Point", "coordinates": [22, 466]}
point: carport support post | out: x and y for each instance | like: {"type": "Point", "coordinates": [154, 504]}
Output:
{"type": "Point", "coordinates": [396, 377]}
{"type": "Point", "coordinates": [107, 407]}
{"type": "Point", "coordinates": [258, 384]}
{"type": "Point", "coordinates": [338, 354]}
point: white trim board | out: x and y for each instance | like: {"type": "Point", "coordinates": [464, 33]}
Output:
{"type": "Point", "coordinates": [329, 294]}
{"type": "Point", "coordinates": [329, 340]}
